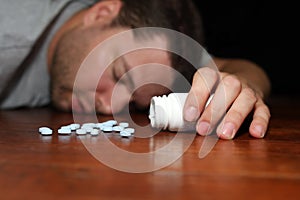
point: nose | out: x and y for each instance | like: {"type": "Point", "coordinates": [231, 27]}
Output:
{"type": "Point", "coordinates": [103, 104]}
{"type": "Point", "coordinates": [103, 96]}
{"type": "Point", "coordinates": [113, 99]}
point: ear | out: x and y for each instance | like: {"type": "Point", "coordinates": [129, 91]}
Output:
{"type": "Point", "coordinates": [103, 12]}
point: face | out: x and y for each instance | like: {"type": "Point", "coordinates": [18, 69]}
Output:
{"type": "Point", "coordinates": [87, 75]}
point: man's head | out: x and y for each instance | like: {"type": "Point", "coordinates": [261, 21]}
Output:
{"type": "Point", "coordinates": [103, 20]}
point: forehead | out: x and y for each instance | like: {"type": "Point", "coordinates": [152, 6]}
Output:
{"type": "Point", "coordinates": [149, 66]}
{"type": "Point", "coordinates": [132, 38]}
{"type": "Point", "coordinates": [147, 56]}
{"type": "Point", "coordinates": [148, 49]}
{"type": "Point", "coordinates": [135, 50]}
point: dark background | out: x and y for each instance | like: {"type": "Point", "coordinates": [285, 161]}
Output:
{"type": "Point", "coordinates": [252, 30]}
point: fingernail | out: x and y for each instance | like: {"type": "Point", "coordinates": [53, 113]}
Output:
{"type": "Point", "coordinates": [260, 131]}
{"type": "Point", "coordinates": [191, 114]}
{"type": "Point", "coordinates": [203, 128]}
{"type": "Point", "coordinates": [228, 130]}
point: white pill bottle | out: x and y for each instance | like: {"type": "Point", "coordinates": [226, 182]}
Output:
{"type": "Point", "coordinates": [166, 113]}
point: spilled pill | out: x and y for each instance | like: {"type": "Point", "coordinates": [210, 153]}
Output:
{"type": "Point", "coordinates": [45, 131]}
{"type": "Point", "coordinates": [125, 133]}
{"type": "Point", "coordinates": [93, 129]}
{"type": "Point", "coordinates": [88, 129]}
{"type": "Point", "coordinates": [64, 131]}
{"type": "Point", "coordinates": [110, 123]}
{"type": "Point", "coordinates": [74, 127]}
{"type": "Point", "coordinates": [81, 132]}
{"type": "Point", "coordinates": [107, 129]}
{"type": "Point", "coordinates": [124, 124]}
{"type": "Point", "coordinates": [94, 132]}
{"type": "Point", "coordinates": [130, 130]}
{"type": "Point", "coordinates": [118, 128]}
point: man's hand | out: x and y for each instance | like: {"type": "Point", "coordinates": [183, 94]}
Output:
{"type": "Point", "coordinates": [234, 99]}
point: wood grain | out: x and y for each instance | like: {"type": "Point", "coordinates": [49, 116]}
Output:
{"type": "Point", "coordinates": [60, 167]}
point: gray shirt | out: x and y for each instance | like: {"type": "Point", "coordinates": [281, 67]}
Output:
{"type": "Point", "coordinates": [26, 28]}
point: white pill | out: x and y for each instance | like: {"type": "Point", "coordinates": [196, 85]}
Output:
{"type": "Point", "coordinates": [89, 124]}
{"type": "Point", "coordinates": [66, 127]}
{"type": "Point", "coordinates": [45, 131]}
{"type": "Point", "coordinates": [124, 124]}
{"type": "Point", "coordinates": [103, 127]}
{"type": "Point", "coordinates": [110, 123]}
{"type": "Point", "coordinates": [107, 129]}
{"type": "Point", "coordinates": [94, 132]}
{"type": "Point", "coordinates": [99, 125]}
{"type": "Point", "coordinates": [41, 129]}
{"type": "Point", "coordinates": [64, 131]}
{"type": "Point", "coordinates": [125, 133]}
{"type": "Point", "coordinates": [74, 127]}
{"type": "Point", "coordinates": [130, 130]}
{"type": "Point", "coordinates": [81, 132]}
{"type": "Point", "coordinates": [118, 128]}
{"type": "Point", "coordinates": [88, 129]}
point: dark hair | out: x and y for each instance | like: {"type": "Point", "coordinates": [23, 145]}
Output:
{"type": "Point", "coordinates": [178, 15]}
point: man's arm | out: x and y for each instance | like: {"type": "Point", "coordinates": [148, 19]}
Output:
{"type": "Point", "coordinates": [248, 71]}
{"type": "Point", "coordinates": [242, 88]}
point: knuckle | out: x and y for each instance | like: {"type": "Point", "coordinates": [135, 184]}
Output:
{"type": "Point", "coordinates": [250, 95]}
{"type": "Point", "coordinates": [212, 74]}
{"type": "Point", "coordinates": [235, 116]}
{"type": "Point", "coordinates": [262, 114]}
{"type": "Point", "coordinates": [206, 73]}
{"type": "Point", "coordinates": [232, 81]}
{"type": "Point", "coordinates": [265, 111]}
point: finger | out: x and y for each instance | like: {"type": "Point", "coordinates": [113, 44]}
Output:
{"type": "Point", "coordinates": [261, 118]}
{"type": "Point", "coordinates": [237, 113]}
{"type": "Point", "coordinates": [203, 82]}
{"type": "Point", "coordinates": [227, 91]}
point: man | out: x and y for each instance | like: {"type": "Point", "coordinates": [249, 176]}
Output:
{"type": "Point", "coordinates": [61, 35]}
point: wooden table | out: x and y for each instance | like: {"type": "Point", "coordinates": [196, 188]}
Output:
{"type": "Point", "coordinates": [61, 167]}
